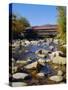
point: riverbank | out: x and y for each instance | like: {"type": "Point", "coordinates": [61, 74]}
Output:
{"type": "Point", "coordinates": [37, 62]}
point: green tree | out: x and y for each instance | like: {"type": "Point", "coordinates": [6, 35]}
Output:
{"type": "Point", "coordinates": [62, 23]}
{"type": "Point", "coordinates": [19, 24]}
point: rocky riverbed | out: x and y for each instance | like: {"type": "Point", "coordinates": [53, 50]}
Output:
{"type": "Point", "coordinates": [37, 62]}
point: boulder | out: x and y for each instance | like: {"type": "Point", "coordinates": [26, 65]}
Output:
{"type": "Point", "coordinates": [56, 78]}
{"type": "Point", "coordinates": [48, 60]}
{"type": "Point", "coordinates": [54, 54]}
{"type": "Point", "coordinates": [22, 62]}
{"type": "Point", "coordinates": [41, 53]}
{"type": "Point", "coordinates": [40, 74]}
{"type": "Point", "coordinates": [18, 84]}
{"type": "Point", "coordinates": [59, 60]}
{"type": "Point", "coordinates": [55, 41]}
{"type": "Point", "coordinates": [41, 61]}
{"type": "Point", "coordinates": [51, 47]}
{"type": "Point", "coordinates": [27, 42]}
{"type": "Point", "coordinates": [34, 42]}
{"type": "Point", "coordinates": [19, 75]}
{"type": "Point", "coordinates": [14, 69]}
{"type": "Point", "coordinates": [32, 65]}
{"type": "Point", "coordinates": [59, 73]}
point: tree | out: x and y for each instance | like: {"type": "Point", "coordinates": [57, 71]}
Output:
{"type": "Point", "coordinates": [18, 25]}
{"type": "Point", "coordinates": [62, 23]}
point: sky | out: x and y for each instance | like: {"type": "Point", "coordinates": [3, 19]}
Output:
{"type": "Point", "coordinates": [36, 14]}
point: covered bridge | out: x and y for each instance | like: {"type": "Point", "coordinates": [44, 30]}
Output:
{"type": "Point", "coordinates": [42, 31]}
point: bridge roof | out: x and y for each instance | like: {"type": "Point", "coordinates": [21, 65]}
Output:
{"type": "Point", "coordinates": [43, 27]}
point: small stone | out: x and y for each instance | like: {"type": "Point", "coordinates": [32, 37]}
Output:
{"type": "Point", "coordinates": [55, 67]}
{"type": "Point", "coordinates": [41, 61]}
{"type": "Point", "coordinates": [13, 60]}
{"type": "Point", "coordinates": [60, 72]}
{"type": "Point", "coordinates": [28, 59]}
{"type": "Point", "coordinates": [14, 69]}
{"type": "Point", "coordinates": [51, 47]}
{"type": "Point", "coordinates": [56, 78]}
{"type": "Point", "coordinates": [40, 74]}
{"type": "Point", "coordinates": [48, 60]}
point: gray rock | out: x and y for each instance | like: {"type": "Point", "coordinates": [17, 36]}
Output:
{"type": "Point", "coordinates": [41, 53]}
{"type": "Point", "coordinates": [56, 78]}
{"type": "Point", "coordinates": [19, 75]}
{"type": "Point", "coordinates": [22, 62]}
{"type": "Point", "coordinates": [32, 65]}
{"type": "Point", "coordinates": [40, 74]}
{"type": "Point", "coordinates": [60, 73]}
{"type": "Point", "coordinates": [14, 69]}
{"type": "Point", "coordinates": [59, 60]}
{"type": "Point", "coordinates": [19, 84]}
{"type": "Point", "coordinates": [41, 61]}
